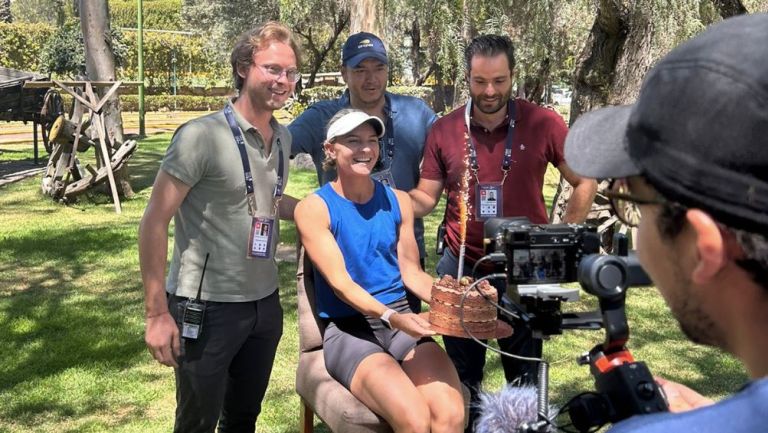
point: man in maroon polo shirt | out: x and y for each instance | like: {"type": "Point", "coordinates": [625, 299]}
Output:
{"type": "Point", "coordinates": [507, 144]}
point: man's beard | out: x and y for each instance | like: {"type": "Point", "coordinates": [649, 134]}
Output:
{"type": "Point", "coordinates": [502, 102]}
{"type": "Point", "coordinates": [699, 328]}
{"type": "Point", "coordinates": [694, 322]}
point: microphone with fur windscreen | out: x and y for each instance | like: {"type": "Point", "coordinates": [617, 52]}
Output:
{"type": "Point", "coordinates": [511, 410]}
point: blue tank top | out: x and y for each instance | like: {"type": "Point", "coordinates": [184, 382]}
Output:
{"type": "Point", "coordinates": [367, 236]}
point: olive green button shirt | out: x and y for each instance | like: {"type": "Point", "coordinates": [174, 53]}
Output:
{"type": "Point", "coordinates": [213, 218]}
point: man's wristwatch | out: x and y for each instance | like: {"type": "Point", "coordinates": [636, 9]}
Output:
{"type": "Point", "coordinates": [385, 317]}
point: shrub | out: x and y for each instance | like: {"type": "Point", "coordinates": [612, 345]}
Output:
{"type": "Point", "coordinates": [41, 48]}
{"type": "Point", "coordinates": [195, 62]}
{"type": "Point", "coordinates": [64, 52]}
{"type": "Point", "coordinates": [171, 103]}
{"type": "Point", "coordinates": [158, 14]}
{"type": "Point", "coordinates": [22, 45]}
{"type": "Point", "coordinates": [321, 93]}
{"type": "Point", "coordinates": [296, 108]}
{"type": "Point", "coordinates": [421, 92]}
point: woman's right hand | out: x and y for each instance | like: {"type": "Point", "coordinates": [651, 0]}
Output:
{"type": "Point", "coordinates": [412, 324]}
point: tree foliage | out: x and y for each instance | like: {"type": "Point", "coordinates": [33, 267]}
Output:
{"type": "Point", "coordinates": [21, 45]}
{"type": "Point", "coordinates": [158, 14]}
{"type": "Point", "coordinates": [425, 38]}
{"type": "Point", "coordinates": [221, 21]}
{"type": "Point", "coordinates": [64, 53]}
{"type": "Point", "coordinates": [320, 26]}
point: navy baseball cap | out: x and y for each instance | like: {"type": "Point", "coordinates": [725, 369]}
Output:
{"type": "Point", "coordinates": [361, 46]}
{"type": "Point", "coordinates": [698, 132]}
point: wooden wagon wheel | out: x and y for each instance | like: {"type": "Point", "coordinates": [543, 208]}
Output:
{"type": "Point", "coordinates": [53, 107]}
{"type": "Point", "coordinates": [63, 165]}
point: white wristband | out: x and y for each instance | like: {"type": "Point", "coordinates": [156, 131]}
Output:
{"type": "Point", "coordinates": [385, 317]}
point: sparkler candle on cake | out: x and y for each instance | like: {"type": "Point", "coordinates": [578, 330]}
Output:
{"type": "Point", "coordinates": [463, 211]}
{"type": "Point", "coordinates": [454, 309]}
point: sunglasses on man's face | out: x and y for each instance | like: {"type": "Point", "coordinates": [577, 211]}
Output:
{"type": "Point", "coordinates": [624, 204]}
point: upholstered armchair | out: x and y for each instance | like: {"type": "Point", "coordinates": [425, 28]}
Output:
{"type": "Point", "coordinates": [320, 393]}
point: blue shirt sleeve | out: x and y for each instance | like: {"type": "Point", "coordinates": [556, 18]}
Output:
{"type": "Point", "coordinates": [307, 131]}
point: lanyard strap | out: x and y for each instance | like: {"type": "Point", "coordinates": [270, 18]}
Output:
{"type": "Point", "coordinates": [277, 194]}
{"type": "Point", "coordinates": [388, 143]}
{"type": "Point", "coordinates": [507, 161]}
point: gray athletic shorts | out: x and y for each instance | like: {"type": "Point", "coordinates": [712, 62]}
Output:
{"type": "Point", "coordinates": [349, 340]}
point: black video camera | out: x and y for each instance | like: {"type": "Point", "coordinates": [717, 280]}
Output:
{"type": "Point", "coordinates": [529, 253]}
{"type": "Point", "coordinates": [540, 253]}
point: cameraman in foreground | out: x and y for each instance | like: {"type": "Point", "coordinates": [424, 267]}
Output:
{"type": "Point", "coordinates": [692, 154]}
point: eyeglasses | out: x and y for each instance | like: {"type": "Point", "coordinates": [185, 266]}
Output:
{"type": "Point", "coordinates": [275, 72]}
{"type": "Point", "coordinates": [624, 204]}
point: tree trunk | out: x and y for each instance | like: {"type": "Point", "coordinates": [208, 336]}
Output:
{"type": "Point", "coordinates": [460, 89]}
{"type": "Point", "coordinates": [100, 66]}
{"type": "Point", "coordinates": [615, 58]}
{"type": "Point", "coordinates": [61, 12]}
{"type": "Point", "coordinates": [415, 52]}
{"type": "Point", "coordinates": [729, 8]}
{"type": "Point", "coordinates": [5, 11]}
{"type": "Point", "coordinates": [320, 54]}
{"type": "Point", "coordinates": [535, 86]}
{"type": "Point", "coordinates": [609, 71]}
{"type": "Point", "coordinates": [364, 17]}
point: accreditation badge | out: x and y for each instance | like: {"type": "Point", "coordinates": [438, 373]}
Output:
{"type": "Point", "coordinates": [385, 177]}
{"type": "Point", "coordinates": [488, 203]}
{"type": "Point", "coordinates": [260, 239]}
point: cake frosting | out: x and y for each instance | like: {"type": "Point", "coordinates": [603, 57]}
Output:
{"type": "Point", "coordinates": [445, 307]}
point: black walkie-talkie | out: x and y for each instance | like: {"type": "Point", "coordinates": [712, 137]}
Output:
{"type": "Point", "coordinates": [192, 322]}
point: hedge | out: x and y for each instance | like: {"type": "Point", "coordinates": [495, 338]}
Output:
{"type": "Point", "coordinates": [207, 103]}
{"type": "Point", "coordinates": [22, 45]}
{"type": "Point", "coordinates": [319, 93]}
{"type": "Point", "coordinates": [166, 103]}
{"type": "Point", "coordinates": [158, 14]}
{"type": "Point", "coordinates": [195, 62]}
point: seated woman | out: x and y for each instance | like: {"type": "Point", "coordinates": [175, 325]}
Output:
{"type": "Point", "coordinates": [359, 235]}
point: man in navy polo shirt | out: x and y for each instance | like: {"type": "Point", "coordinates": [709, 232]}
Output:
{"type": "Point", "coordinates": [365, 68]}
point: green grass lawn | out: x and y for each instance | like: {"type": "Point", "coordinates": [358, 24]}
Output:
{"type": "Point", "coordinates": [71, 321]}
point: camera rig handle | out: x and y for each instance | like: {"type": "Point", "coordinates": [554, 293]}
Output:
{"type": "Point", "coordinates": [607, 278]}
{"type": "Point", "coordinates": [625, 387]}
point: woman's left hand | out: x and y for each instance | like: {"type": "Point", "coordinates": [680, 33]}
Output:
{"type": "Point", "coordinates": [411, 324]}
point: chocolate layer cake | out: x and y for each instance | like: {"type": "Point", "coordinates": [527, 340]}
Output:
{"type": "Point", "coordinates": [479, 314]}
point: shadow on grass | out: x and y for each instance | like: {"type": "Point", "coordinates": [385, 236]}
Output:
{"type": "Point", "coordinates": [144, 166]}
{"type": "Point", "coordinates": [65, 312]}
